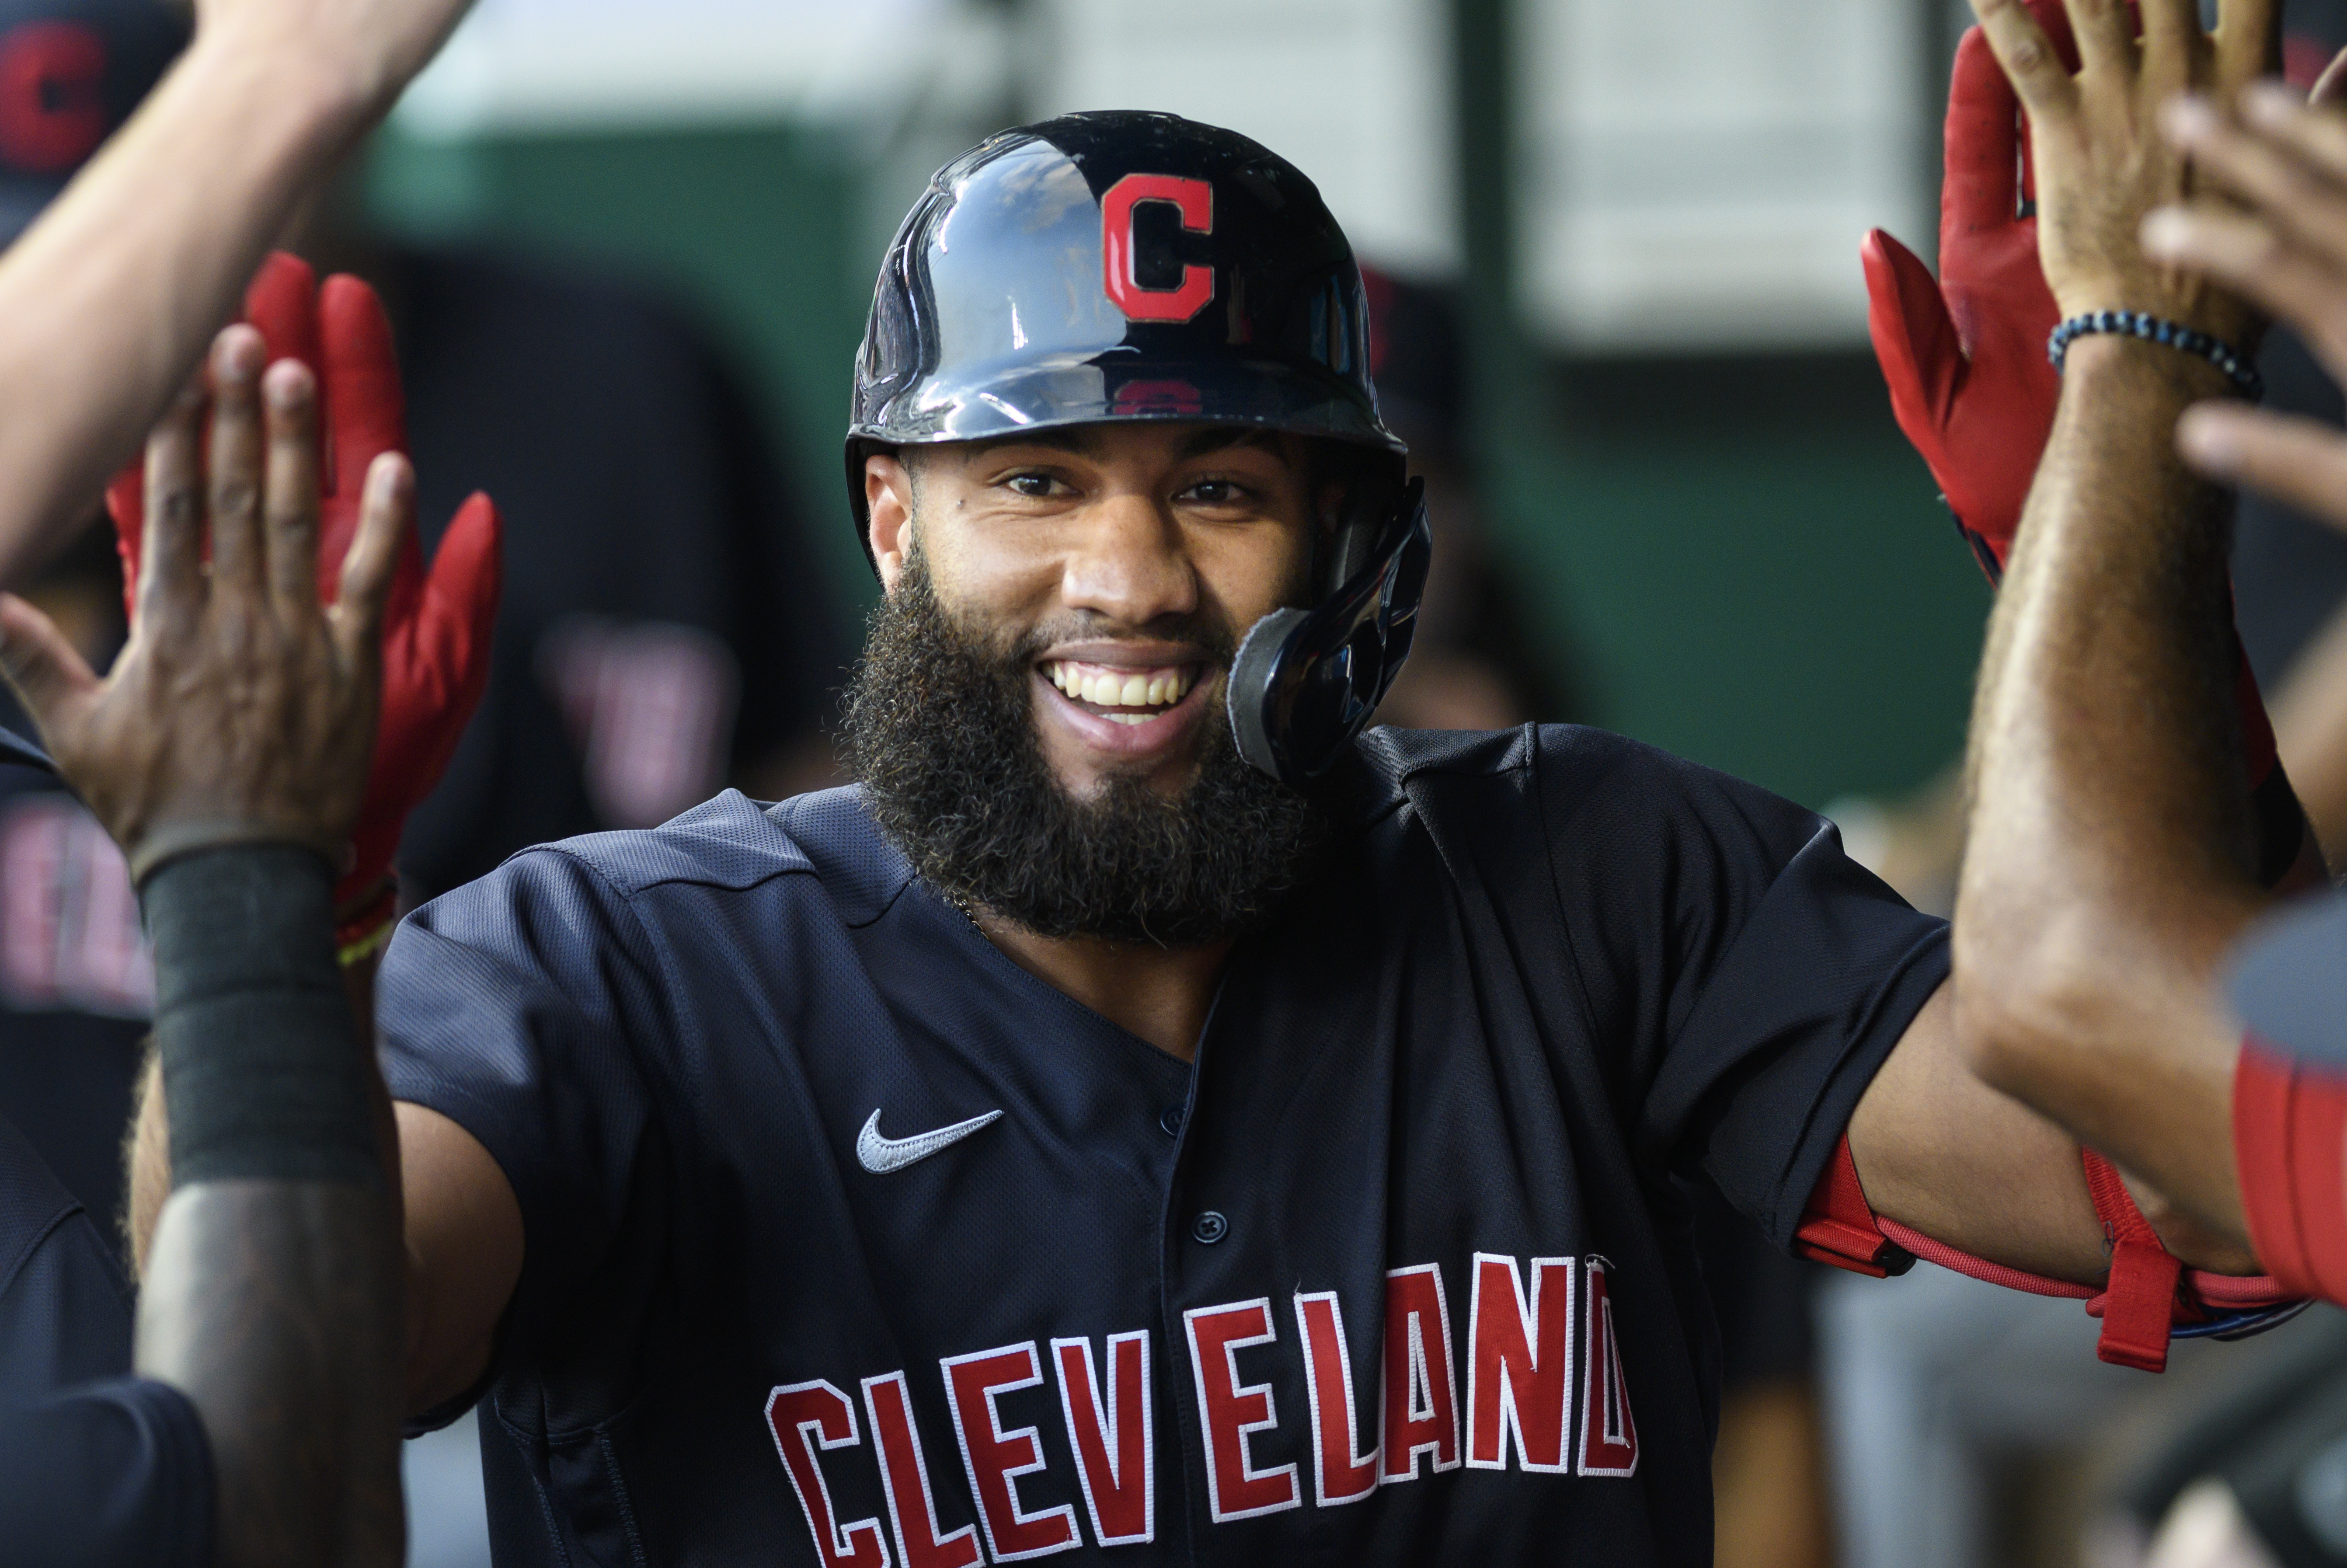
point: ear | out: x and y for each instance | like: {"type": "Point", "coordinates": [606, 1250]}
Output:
{"type": "Point", "coordinates": [889, 505]}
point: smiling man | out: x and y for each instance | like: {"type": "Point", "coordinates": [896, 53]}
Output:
{"type": "Point", "coordinates": [1149, 1117]}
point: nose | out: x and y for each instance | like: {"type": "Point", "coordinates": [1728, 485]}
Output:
{"type": "Point", "coordinates": [1130, 563]}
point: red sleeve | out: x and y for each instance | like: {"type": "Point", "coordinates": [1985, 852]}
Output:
{"type": "Point", "coordinates": [2288, 1128]}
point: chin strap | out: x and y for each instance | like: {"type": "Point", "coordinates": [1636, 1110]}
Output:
{"type": "Point", "coordinates": [2148, 1299]}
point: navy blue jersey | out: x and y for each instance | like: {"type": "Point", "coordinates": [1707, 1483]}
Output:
{"type": "Point", "coordinates": [848, 1241]}
{"type": "Point", "coordinates": [65, 1307]}
{"type": "Point", "coordinates": [96, 1468]}
{"type": "Point", "coordinates": [115, 1474]}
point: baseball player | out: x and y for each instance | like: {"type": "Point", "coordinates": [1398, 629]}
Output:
{"type": "Point", "coordinates": [1147, 1117]}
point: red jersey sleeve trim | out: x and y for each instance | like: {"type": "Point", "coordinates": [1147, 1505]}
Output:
{"type": "Point", "coordinates": [2288, 1131]}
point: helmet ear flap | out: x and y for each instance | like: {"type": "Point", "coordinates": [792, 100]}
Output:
{"type": "Point", "coordinates": [1370, 486]}
{"type": "Point", "coordinates": [1304, 683]}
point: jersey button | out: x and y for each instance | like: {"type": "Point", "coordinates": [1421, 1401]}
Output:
{"type": "Point", "coordinates": [1170, 1119]}
{"type": "Point", "coordinates": [1210, 1227]}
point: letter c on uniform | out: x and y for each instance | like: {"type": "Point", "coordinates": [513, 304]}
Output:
{"type": "Point", "coordinates": [1194, 200]}
{"type": "Point", "coordinates": [52, 114]}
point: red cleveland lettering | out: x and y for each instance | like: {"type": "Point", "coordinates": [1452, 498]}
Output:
{"type": "Point", "coordinates": [905, 1479]}
{"type": "Point", "coordinates": [806, 1416]}
{"type": "Point", "coordinates": [1194, 200]}
{"type": "Point", "coordinates": [1520, 1364]}
{"type": "Point", "coordinates": [1231, 1411]}
{"type": "Point", "coordinates": [1609, 1440]}
{"type": "Point", "coordinates": [1421, 1395]}
{"type": "Point", "coordinates": [1340, 1473]}
{"type": "Point", "coordinates": [1114, 1457]}
{"type": "Point", "coordinates": [1526, 1344]}
{"type": "Point", "coordinates": [995, 1459]}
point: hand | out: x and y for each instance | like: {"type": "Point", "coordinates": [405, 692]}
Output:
{"type": "Point", "coordinates": [1965, 355]}
{"type": "Point", "coordinates": [369, 48]}
{"type": "Point", "coordinates": [2283, 246]}
{"type": "Point", "coordinates": [242, 709]}
{"type": "Point", "coordinates": [2100, 163]}
{"type": "Point", "coordinates": [436, 653]}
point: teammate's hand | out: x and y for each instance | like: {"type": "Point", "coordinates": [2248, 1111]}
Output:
{"type": "Point", "coordinates": [366, 49]}
{"type": "Point", "coordinates": [243, 709]}
{"type": "Point", "coordinates": [1965, 355]}
{"type": "Point", "coordinates": [2283, 246]}
{"type": "Point", "coordinates": [437, 628]}
{"type": "Point", "coordinates": [2101, 164]}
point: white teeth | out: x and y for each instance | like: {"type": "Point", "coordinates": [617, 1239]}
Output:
{"type": "Point", "coordinates": [1121, 688]}
{"type": "Point", "coordinates": [1129, 718]}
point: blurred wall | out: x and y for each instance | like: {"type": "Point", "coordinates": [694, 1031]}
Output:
{"type": "Point", "coordinates": [1738, 548]}
{"type": "Point", "coordinates": [756, 229]}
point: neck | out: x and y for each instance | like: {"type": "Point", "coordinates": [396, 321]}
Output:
{"type": "Point", "coordinates": [1160, 994]}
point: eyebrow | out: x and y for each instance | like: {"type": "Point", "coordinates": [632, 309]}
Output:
{"type": "Point", "coordinates": [1224, 438]}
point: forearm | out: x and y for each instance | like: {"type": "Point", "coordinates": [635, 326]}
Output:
{"type": "Point", "coordinates": [2111, 855]}
{"type": "Point", "coordinates": [273, 1307]}
{"type": "Point", "coordinates": [147, 1152]}
{"type": "Point", "coordinates": [272, 1284]}
{"type": "Point", "coordinates": [108, 299]}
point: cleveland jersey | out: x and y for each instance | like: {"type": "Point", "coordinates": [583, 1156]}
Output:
{"type": "Point", "coordinates": [850, 1242]}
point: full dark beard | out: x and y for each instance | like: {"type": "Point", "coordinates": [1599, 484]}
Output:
{"type": "Point", "coordinates": [940, 729]}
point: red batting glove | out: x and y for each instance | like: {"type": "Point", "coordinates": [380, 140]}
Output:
{"type": "Point", "coordinates": [436, 627]}
{"type": "Point", "coordinates": [1965, 355]}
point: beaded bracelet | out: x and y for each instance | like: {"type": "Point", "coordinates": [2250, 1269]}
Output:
{"type": "Point", "coordinates": [2157, 329]}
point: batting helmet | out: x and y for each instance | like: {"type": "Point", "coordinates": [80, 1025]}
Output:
{"type": "Point", "coordinates": [1122, 266]}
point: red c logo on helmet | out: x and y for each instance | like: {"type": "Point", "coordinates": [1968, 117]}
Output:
{"type": "Point", "coordinates": [51, 114]}
{"type": "Point", "coordinates": [1194, 200]}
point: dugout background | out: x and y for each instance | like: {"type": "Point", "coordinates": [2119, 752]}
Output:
{"type": "Point", "coordinates": [1728, 541]}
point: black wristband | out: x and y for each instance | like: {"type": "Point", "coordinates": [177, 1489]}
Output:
{"type": "Point", "coordinates": [261, 1072]}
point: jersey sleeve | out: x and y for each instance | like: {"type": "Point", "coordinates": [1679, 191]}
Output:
{"type": "Point", "coordinates": [515, 1006]}
{"type": "Point", "coordinates": [1757, 973]}
{"type": "Point", "coordinates": [2288, 985]}
{"type": "Point", "coordinates": [111, 1475]}
{"type": "Point", "coordinates": [65, 1306]}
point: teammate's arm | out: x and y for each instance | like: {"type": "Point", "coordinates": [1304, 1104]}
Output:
{"type": "Point", "coordinates": [227, 752]}
{"type": "Point", "coordinates": [2111, 859]}
{"type": "Point", "coordinates": [110, 297]}
{"type": "Point", "coordinates": [463, 1242]}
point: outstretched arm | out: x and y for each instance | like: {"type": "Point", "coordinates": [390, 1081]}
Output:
{"type": "Point", "coordinates": [2111, 859]}
{"type": "Point", "coordinates": [109, 298]}
{"type": "Point", "coordinates": [227, 753]}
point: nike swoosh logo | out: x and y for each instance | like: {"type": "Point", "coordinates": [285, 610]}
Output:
{"type": "Point", "coordinates": [881, 1156]}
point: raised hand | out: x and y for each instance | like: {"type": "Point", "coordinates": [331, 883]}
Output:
{"type": "Point", "coordinates": [2100, 162]}
{"type": "Point", "coordinates": [436, 631]}
{"type": "Point", "coordinates": [1964, 355]}
{"type": "Point", "coordinates": [243, 708]}
{"type": "Point", "coordinates": [2280, 242]}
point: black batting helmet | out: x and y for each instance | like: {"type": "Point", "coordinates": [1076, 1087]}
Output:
{"type": "Point", "coordinates": [1120, 266]}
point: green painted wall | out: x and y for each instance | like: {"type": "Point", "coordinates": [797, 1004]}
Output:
{"type": "Point", "coordinates": [1755, 569]}
{"type": "Point", "coordinates": [1743, 557]}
